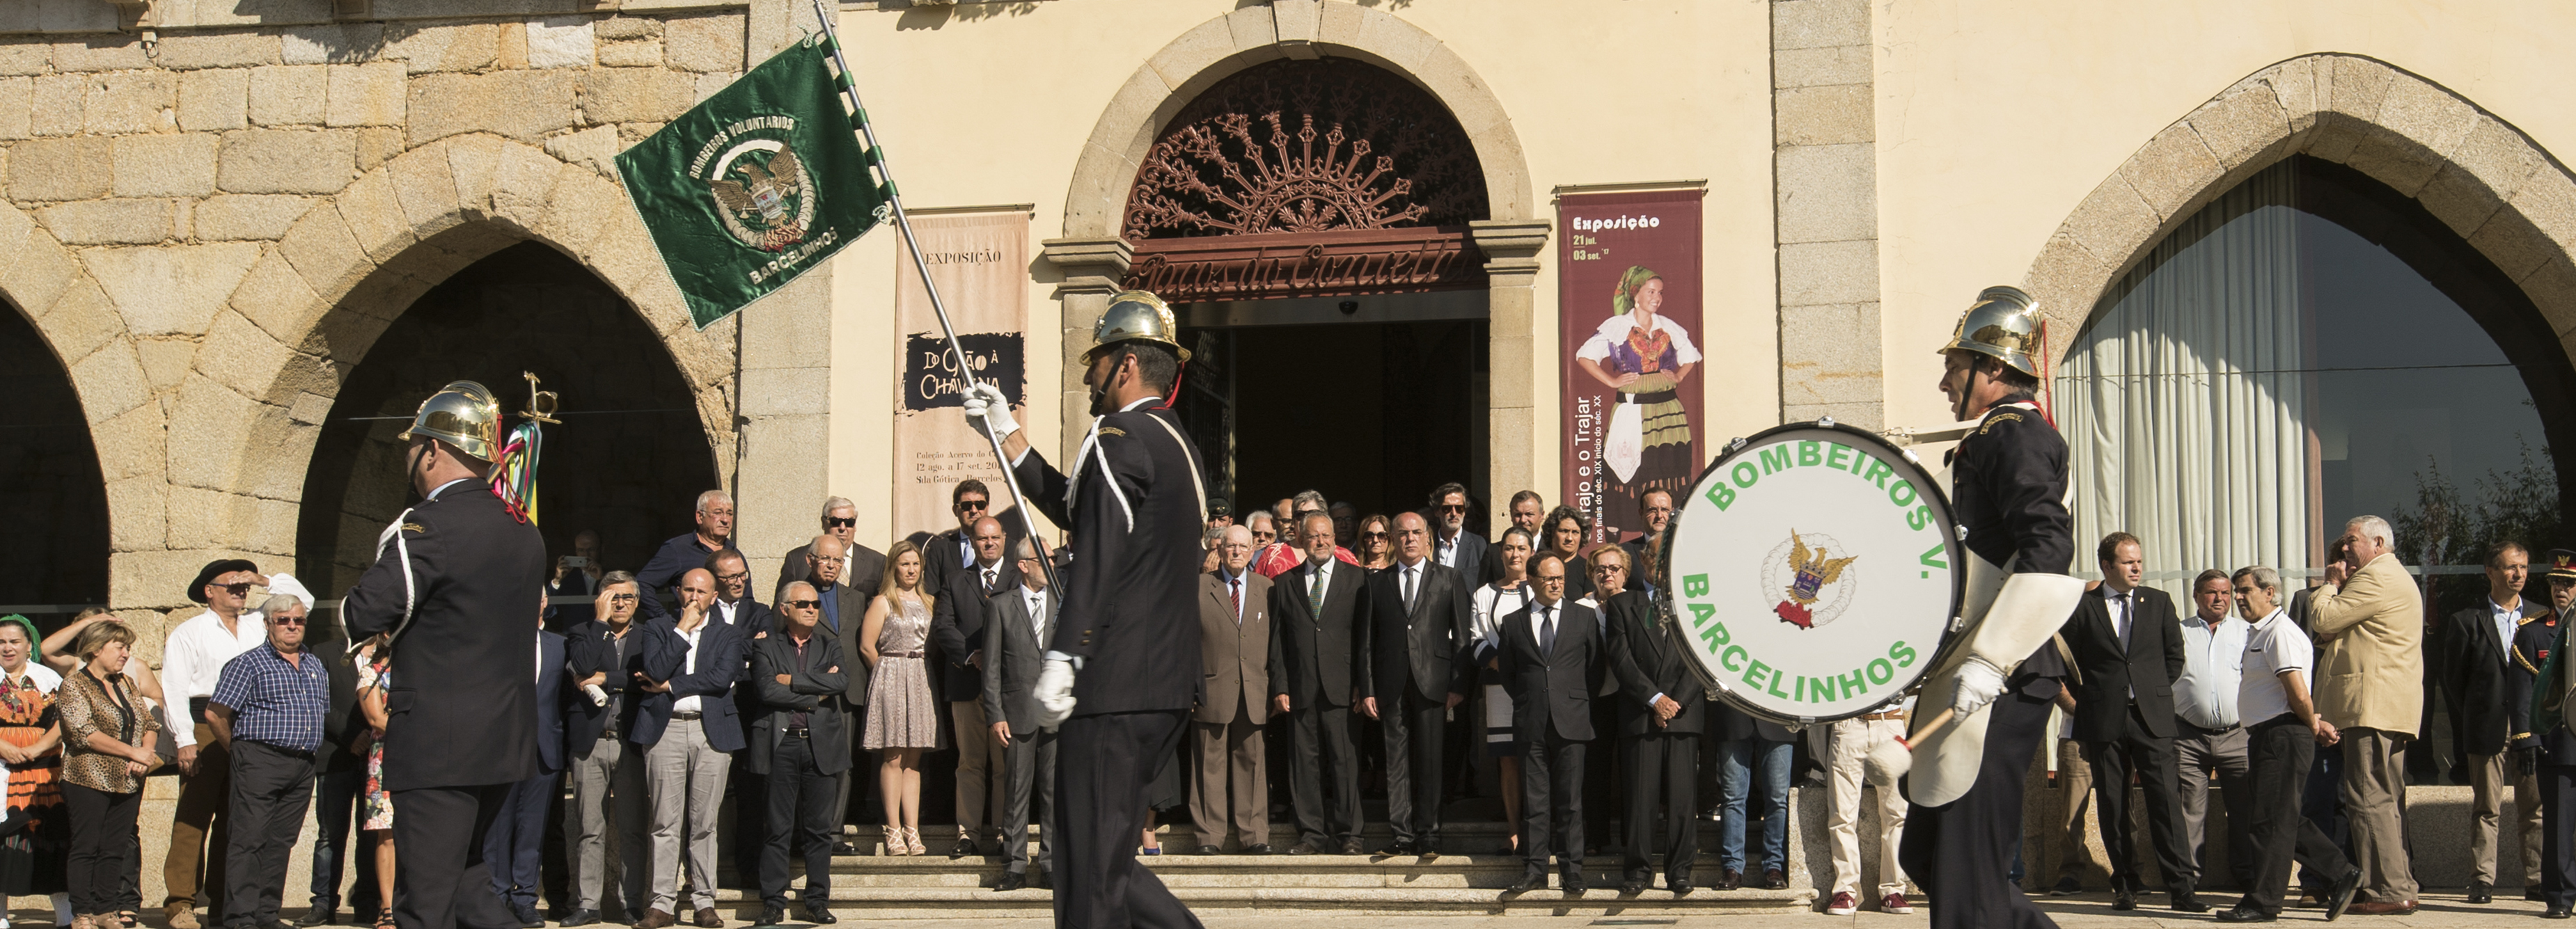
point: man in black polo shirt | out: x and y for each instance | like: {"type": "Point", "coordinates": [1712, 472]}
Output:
{"type": "Point", "coordinates": [267, 710]}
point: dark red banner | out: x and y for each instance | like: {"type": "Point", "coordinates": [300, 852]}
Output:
{"type": "Point", "coordinates": [1628, 304]}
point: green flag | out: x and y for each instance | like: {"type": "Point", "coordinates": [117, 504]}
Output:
{"type": "Point", "coordinates": [752, 187]}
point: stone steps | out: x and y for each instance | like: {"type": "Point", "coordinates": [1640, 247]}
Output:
{"type": "Point", "coordinates": [1493, 871]}
{"type": "Point", "coordinates": [1272, 900]}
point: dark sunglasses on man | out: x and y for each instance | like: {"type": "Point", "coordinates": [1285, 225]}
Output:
{"type": "Point", "coordinates": [805, 604]}
{"type": "Point", "coordinates": [840, 522]}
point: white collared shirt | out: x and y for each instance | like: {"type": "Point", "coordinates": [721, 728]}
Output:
{"type": "Point", "coordinates": [2124, 613]}
{"type": "Point", "coordinates": [1035, 600]}
{"type": "Point", "coordinates": [725, 611]}
{"type": "Point", "coordinates": [2213, 670]}
{"type": "Point", "coordinates": [2275, 645]}
{"type": "Point", "coordinates": [1538, 616]}
{"type": "Point", "coordinates": [1445, 551]}
{"type": "Point", "coordinates": [193, 658]}
{"type": "Point", "coordinates": [2508, 620]}
{"type": "Point", "coordinates": [1233, 584]}
{"type": "Point", "coordinates": [689, 704]}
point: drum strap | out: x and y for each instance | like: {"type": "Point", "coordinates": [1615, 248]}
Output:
{"type": "Point", "coordinates": [2074, 672]}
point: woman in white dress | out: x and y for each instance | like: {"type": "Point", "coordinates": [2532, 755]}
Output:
{"type": "Point", "coordinates": [1493, 602]}
{"type": "Point", "coordinates": [1643, 357]}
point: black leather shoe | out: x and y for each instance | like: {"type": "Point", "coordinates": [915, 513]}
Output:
{"type": "Point", "coordinates": [528, 918]}
{"type": "Point", "coordinates": [1353, 847]}
{"type": "Point", "coordinates": [2479, 892]}
{"type": "Point", "coordinates": [1730, 879]}
{"type": "Point", "coordinates": [2339, 896]}
{"type": "Point", "coordinates": [1632, 886]}
{"type": "Point", "coordinates": [770, 916]}
{"type": "Point", "coordinates": [1772, 879]}
{"type": "Point", "coordinates": [319, 915]}
{"type": "Point", "coordinates": [1680, 886]}
{"type": "Point", "coordinates": [965, 846]}
{"type": "Point", "coordinates": [2123, 896]}
{"type": "Point", "coordinates": [1256, 848]}
{"type": "Point", "coordinates": [1430, 851]}
{"type": "Point", "coordinates": [579, 918]}
{"type": "Point", "coordinates": [1304, 848]}
{"type": "Point", "coordinates": [1010, 882]}
{"type": "Point", "coordinates": [1396, 849]}
{"type": "Point", "coordinates": [2555, 911]}
{"type": "Point", "coordinates": [1572, 883]}
{"type": "Point", "coordinates": [817, 915]}
{"type": "Point", "coordinates": [2242, 915]}
{"type": "Point", "coordinates": [844, 849]}
{"type": "Point", "coordinates": [1530, 880]}
{"type": "Point", "coordinates": [1208, 850]}
{"type": "Point", "coordinates": [2185, 901]}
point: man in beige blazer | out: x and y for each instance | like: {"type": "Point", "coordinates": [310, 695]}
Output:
{"type": "Point", "coordinates": [2369, 624]}
{"type": "Point", "coordinates": [1234, 703]}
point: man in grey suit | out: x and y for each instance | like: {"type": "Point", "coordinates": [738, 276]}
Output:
{"type": "Point", "coordinates": [1313, 617]}
{"type": "Point", "coordinates": [1017, 625]}
{"type": "Point", "coordinates": [796, 746]}
{"type": "Point", "coordinates": [1234, 653]}
{"type": "Point", "coordinates": [1420, 649]}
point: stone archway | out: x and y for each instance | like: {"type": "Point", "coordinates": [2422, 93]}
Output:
{"type": "Point", "coordinates": [49, 484]}
{"type": "Point", "coordinates": [1094, 258]}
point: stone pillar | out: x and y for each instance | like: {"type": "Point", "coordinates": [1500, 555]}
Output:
{"type": "Point", "coordinates": [1512, 390]}
{"type": "Point", "coordinates": [1092, 269]}
{"type": "Point", "coordinates": [1824, 163]}
{"type": "Point", "coordinates": [783, 393]}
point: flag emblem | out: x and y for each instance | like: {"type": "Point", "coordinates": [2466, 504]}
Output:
{"type": "Point", "coordinates": [763, 194]}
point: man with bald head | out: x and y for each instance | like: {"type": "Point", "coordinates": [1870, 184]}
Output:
{"type": "Point", "coordinates": [687, 726]}
{"type": "Point", "coordinates": [957, 627]}
{"type": "Point", "coordinates": [1420, 634]}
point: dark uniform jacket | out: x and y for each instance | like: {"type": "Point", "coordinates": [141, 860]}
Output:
{"type": "Point", "coordinates": [2110, 675]}
{"type": "Point", "coordinates": [2008, 490]}
{"type": "Point", "coordinates": [1552, 689]}
{"type": "Point", "coordinates": [957, 626]}
{"type": "Point", "coordinates": [814, 687]}
{"type": "Point", "coordinates": [1314, 657]}
{"type": "Point", "coordinates": [1131, 609]}
{"type": "Point", "coordinates": [1431, 648]}
{"type": "Point", "coordinates": [1649, 659]}
{"type": "Point", "coordinates": [463, 703]}
{"type": "Point", "coordinates": [2487, 686]}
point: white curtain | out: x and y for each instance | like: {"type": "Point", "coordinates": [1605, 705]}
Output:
{"type": "Point", "coordinates": [2183, 401]}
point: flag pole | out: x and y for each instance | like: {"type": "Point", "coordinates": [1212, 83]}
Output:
{"type": "Point", "coordinates": [875, 155]}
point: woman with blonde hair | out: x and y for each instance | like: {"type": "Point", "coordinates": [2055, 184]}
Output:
{"type": "Point", "coordinates": [107, 740]}
{"type": "Point", "coordinates": [903, 713]}
{"type": "Point", "coordinates": [1374, 543]}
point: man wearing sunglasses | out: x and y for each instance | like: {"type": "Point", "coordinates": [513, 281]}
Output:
{"type": "Point", "coordinates": [192, 660]}
{"type": "Point", "coordinates": [946, 555]}
{"type": "Point", "coordinates": [862, 568]}
{"type": "Point", "coordinates": [1451, 543]}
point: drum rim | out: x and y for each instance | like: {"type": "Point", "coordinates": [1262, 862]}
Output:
{"type": "Point", "coordinates": [1667, 609]}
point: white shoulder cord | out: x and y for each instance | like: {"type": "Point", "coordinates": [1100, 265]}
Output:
{"type": "Point", "coordinates": [411, 591]}
{"type": "Point", "coordinates": [1091, 447]}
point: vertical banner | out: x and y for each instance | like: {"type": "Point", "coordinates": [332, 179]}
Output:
{"type": "Point", "coordinates": [981, 261]}
{"type": "Point", "coordinates": [1628, 305]}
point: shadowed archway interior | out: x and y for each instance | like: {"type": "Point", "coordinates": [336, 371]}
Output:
{"type": "Point", "coordinates": [628, 459]}
{"type": "Point", "coordinates": [49, 480]}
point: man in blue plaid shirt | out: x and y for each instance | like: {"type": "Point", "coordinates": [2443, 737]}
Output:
{"type": "Point", "coordinates": [267, 710]}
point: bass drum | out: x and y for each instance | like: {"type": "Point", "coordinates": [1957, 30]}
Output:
{"type": "Point", "coordinates": [1816, 569]}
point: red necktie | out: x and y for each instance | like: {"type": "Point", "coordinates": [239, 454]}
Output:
{"type": "Point", "coordinates": [1234, 591]}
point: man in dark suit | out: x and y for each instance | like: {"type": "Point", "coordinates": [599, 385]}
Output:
{"type": "Point", "coordinates": [1314, 617]}
{"type": "Point", "coordinates": [1232, 784]}
{"type": "Point", "coordinates": [862, 568]}
{"type": "Point", "coordinates": [2486, 668]}
{"type": "Point", "coordinates": [454, 582]}
{"type": "Point", "coordinates": [516, 844]}
{"type": "Point", "coordinates": [1017, 626]}
{"type": "Point", "coordinates": [1526, 509]}
{"type": "Point", "coordinates": [1551, 656]}
{"type": "Point", "coordinates": [735, 607]}
{"type": "Point", "coordinates": [340, 781]}
{"type": "Point", "coordinates": [681, 553]}
{"type": "Point", "coordinates": [1662, 707]}
{"type": "Point", "coordinates": [687, 728]}
{"type": "Point", "coordinates": [843, 616]}
{"type": "Point", "coordinates": [795, 744]}
{"type": "Point", "coordinates": [608, 790]}
{"type": "Point", "coordinates": [1655, 509]}
{"type": "Point", "coordinates": [1420, 642]}
{"type": "Point", "coordinates": [1124, 664]}
{"type": "Point", "coordinates": [1451, 543]}
{"type": "Point", "coordinates": [953, 550]}
{"type": "Point", "coordinates": [2128, 648]}
{"type": "Point", "coordinates": [957, 628]}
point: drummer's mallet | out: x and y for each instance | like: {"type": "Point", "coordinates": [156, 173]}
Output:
{"type": "Point", "coordinates": [1896, 756]}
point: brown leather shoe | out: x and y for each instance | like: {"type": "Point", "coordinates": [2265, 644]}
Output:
{"type": "Point", "coordinates": [2380, 908]}
{"type": "Point", "coordinates": [707, 918]}
{"type": "Point", "coordinates": [181, 917]}
{"type": "Point", "coordinates": [656, 919]}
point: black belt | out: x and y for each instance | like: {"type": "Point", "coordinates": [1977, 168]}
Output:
{"type": "Point", "coordinates": [288, 751]}
{"type": "Point", "coordinates": [692, 714]}
{"type": "Point", "coordinates": [2204, 730]}
{"type": "Point", "coordinates": [1660, 396]}
{"type": "Point", "coordinates": [798, 731]}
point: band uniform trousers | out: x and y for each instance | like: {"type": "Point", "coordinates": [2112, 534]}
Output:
{"type": "Point", "coordinates": [1028, 764]}
{"type": "Point", "coordinates": [438, 827]}
{"type": "Point", "coordinates": [2557, 834]}
{"type": "Point", "coordinates": [800, 809]}
{"type": "Point", "coordinates": [1103, 764]}
{"type": "Point", "coordinates": [1412, 728]}
{"type": "Point", "coordinates": [687, 779]}
{"type": "Point", "coordinates": [608, 789]}
{"type": "Point", "coordinates": [2279, 753]}
{"type": "Point", "coordinates": [335, 855]}
{"type": "Point", "coordinates": [1961, 852]}
{"type": "Point", "coordinates": [2152, 762]}
{"type": "Point", "coordinates": [1231, 784]}
{"type": "Point", "coordinates": [197, 830]}
{"type": "Point", "coordinates": [2374, 797]}
{"type": "Point", "coordinates": [269, 785]}
{"type": "Point", "coordinates": [1670, 762]}
{"type": "Point", "coordinates": [512, 847]}
{"type": "Point", "coordinates": [1552, 803]}
{"type": "Point", "coordinates": [2488, 777]}
{"type": "Point", "coordinates": [1849, 768]}
{"type": "Point", "coordinates": [2197, 752]}
{"type": "Point", "coordinates": [1325, 760]}
{"type": "Point", "coordinates": [980, 780]}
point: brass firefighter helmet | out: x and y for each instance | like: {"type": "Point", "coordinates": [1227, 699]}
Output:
{"type": "Point", "coordinates": [462, 414]}
{"type": "Point", "coordinates": [2002, 322]}
{"type": "Point", "coordinates": [1136, 316]}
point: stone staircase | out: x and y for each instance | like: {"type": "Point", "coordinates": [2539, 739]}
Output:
{"type": "Point", "coordinates": [1468, 880]}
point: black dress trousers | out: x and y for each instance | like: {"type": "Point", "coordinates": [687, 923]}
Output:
{"type": "Point", "coordinates": [1413, 729]}
{"type": "Point", "coordinates": [269, 785]}
{"type": "Point", "coordinates": [2157, 768]}
{"type": "Point", "coordinates": [1664, 767]}
{"type": "Point", "coordinates": [1102, 762]}
{"type": "Point", "coordinates": [2278, 754]}
{"type": "Point", "coordinates": [799, 798]}
{"type": "Point", "coordinates": [1961, 852]}
{"type": "Point", "coordinates": [437, 827]}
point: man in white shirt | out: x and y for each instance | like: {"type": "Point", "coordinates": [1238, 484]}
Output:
{"type": "Point", "coordinates": [688, 726]}
{"type": "Point", "coordinates": [2210, 736]}
{"type": "Point", "coordinates": [192, 660]}
{"type": "Point", "coordinates": [2283, 736]}
{"type": "Point", "coordinates": [2488, 656]}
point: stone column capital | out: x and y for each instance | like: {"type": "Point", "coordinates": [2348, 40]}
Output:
{"type": "Point", "coordinates": [1090, 266]}
{"type": "Point", "coordinates": [1511, 248]}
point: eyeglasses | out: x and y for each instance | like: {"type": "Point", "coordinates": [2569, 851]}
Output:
{"type": "Point", "coordinates": [838, 522]}
{"type": "Point", "coordinates": [805, 604]}
{"type": "Point", "coordinates": [970, 504]}
{"type": "Point", "coordinates": [287, 620]}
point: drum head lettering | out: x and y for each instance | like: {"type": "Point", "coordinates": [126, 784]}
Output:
{"type": "Point", "coordinates": [1815, 571]}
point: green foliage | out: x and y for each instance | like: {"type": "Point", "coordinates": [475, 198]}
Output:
{"type": "Point", "coordinates": [2518, 504]}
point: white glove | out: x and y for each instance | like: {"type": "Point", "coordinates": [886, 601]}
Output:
{"type": "Point", "coordinates": [1979, 684]}
{"type": "Point", "coordinates": [1055, 693]}
{"type": "Point", "coordinates": [597, 696]}
{"type": "Point", "coordinates": [988, 412]}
